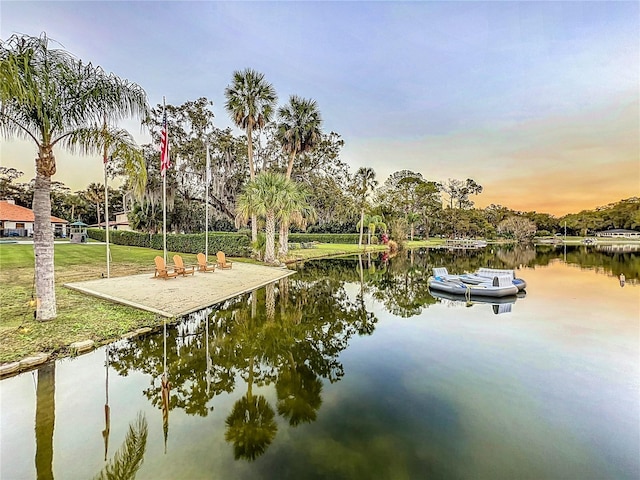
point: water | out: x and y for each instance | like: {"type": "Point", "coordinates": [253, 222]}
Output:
{"type": "Point", "coordinates": [351, 369]}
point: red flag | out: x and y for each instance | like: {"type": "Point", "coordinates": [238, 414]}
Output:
{"type": "Point", "coordinates": [164, 146]}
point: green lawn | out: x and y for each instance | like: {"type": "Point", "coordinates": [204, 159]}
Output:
{"type": "Point", "coordinates": [79, 317]}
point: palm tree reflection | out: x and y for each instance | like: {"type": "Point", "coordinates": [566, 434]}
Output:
{"type": "Point", "coordinates": [129, 457]}
{"type": "Point", "coordinates": [251, 426]}
{"type": "Point", "coordinates": [299, 394]}
{"type": "Point", "coordinates": [45, 420]}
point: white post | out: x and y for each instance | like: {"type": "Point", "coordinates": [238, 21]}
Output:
{"type": "Point", "coordinates": [206, 208]}
{"type": "Point", "coordinates": [164, 191]}
{"type": "Point", "coordinates": [106, 219]}
{"type": "Point", "coordinates": [105, 159]}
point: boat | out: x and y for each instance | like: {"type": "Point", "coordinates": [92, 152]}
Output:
{"type": "Point", "coordinates": [499, 286]}
{"type": "Point", "coordinates": [464, 243]}
{"type": "Point", "coordinates": [483, 275]}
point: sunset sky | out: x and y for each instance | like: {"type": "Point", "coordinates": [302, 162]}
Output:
{"type": "Point", "coordinates": [536, 101]}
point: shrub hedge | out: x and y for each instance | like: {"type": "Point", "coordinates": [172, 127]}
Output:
{"type": "Point", "coordinates": [233, 244]}
{"type": "Point", "coordinates": [348, 238]}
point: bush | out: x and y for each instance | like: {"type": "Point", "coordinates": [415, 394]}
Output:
{"type": "Point", "coordinates": [333, 227]}
{"type": "Point", "coordinates": [233, 244]}
{"type": "Point", "coordinates": [349, 238]}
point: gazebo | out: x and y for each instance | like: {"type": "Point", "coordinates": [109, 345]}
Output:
{"type": "Point", "coordinates": [78, 232]}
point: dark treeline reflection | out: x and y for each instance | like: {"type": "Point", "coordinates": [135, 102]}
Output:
{"type": "Point", "coordinates": [290, 334]}
{"type": "Point", "coordinates": [607, 259]}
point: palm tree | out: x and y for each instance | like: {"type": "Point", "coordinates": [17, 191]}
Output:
{"type": "Point", "coordinates": [373, 222]}
{"type": "Point", "coordinates": [95, 194]}
{"type": "Point", "coordinates": [298, 132]}
{"type": "Point", "coordinates": [118, 148]}
{"type": "Point", "coordinates": [46, 95]}
{"type": "Point", "coordinates": [75, 201]}
{"type": "Point", "coordinates": [298, 128]}
{"type": "Point", "coordinates": [363, 182]}
{"type": "Point", "coordinates": [265, 196]}
{"type": "Point", "coordinates": [250, 102]}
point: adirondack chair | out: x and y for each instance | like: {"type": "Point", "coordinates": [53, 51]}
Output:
{"type": "Point", "coordinates": [222, 261]}
{"type": "Point", "coordinates": [202, 264]}
{"type": "Point", "coordinates": [161, 269]}
{"type": "Point", "coordinates": [179, 267]}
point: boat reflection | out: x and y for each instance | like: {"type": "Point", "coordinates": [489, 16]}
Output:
{"type": "Point", "coordinates": [499, 305]}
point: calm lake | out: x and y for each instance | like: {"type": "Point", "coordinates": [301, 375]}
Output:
{"type": "Point", "coordinates": [352, 369]}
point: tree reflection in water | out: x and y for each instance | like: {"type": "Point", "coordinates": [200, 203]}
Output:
{"type": "Point", "coordinates": [288, 335]}
{"type": "Point", "coordinates": [45, 420]}
{"type": "Point", "coordinates": [129, 457]}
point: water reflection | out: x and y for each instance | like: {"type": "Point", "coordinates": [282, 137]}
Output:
{"type": "Point", "coordinates": [129, 457]}
{"type": "Point", "coordinates": [498, 305]}
{"type": "Point", "coordinates": [107, 408]}
{"type": "Point", "coordinates": [288, 334]}
{"type": "Point", "coordinates": [416, 396]}
{"type": "Point", "coordinates": [45, 420]}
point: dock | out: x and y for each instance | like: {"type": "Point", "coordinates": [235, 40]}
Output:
{"type": "Point", "coordinates": [175, 297]}
{"type": "Point", "coordinates": [464, 244]}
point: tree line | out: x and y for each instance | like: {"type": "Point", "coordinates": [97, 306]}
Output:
{"type": "Point", "coordinates": [415, 207]}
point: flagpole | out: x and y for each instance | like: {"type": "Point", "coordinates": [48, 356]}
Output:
{"type": "Point", "coordinates": [164, 189]}
{"type": "Point", "coordinates": [206, 209]}
{"type": "Point", "coordinates": [106, 196]}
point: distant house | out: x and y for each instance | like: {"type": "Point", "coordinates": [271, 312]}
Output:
{"type": "Point", "coordinates": [618, 233]}
{"type": "Point", "coordinates": [121, 223]}
{"type": "Point", "coordinates": [17, 221]}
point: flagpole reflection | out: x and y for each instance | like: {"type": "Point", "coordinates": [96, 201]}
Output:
{"type": "Point", "coordinates": [208, 363]}
{"type": "Point", "coordinates": [107, 409]}
{"type": "Point", "coordinates": [165, 391]}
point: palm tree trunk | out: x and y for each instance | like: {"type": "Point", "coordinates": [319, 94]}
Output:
{"type": "Point", "coordinates": [290, 165]}
{"type": "Point", "coordinates": [270, 231]}
{"type": "Point", "coordinates": [43, 248]}
{"type": "Point", "coordinates": [284, 238]}
{"type": "Point", "coordinates": [284, 225]}
{"type": "Point", "coordinates": [361, 227]}
{"type": "Point", "coordinates": [270, 301]}
{"type": "Point", "coordinates": [252, 175]}
{"type": "Point", "coordinates": [281, 240]}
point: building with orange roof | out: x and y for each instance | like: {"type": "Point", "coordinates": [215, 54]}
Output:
{"type": "Point", "coordinates": [17, 221]}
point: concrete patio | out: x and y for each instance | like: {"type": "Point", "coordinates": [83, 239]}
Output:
{"type": "Point", "coordinates": [179, 296]}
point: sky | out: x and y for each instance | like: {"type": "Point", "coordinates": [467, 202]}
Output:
{"type": "Point", "coordinates": [538, 102]}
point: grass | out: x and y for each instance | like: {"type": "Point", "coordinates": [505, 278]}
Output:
{"type": "Point", "coordinates": [79, 317]}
